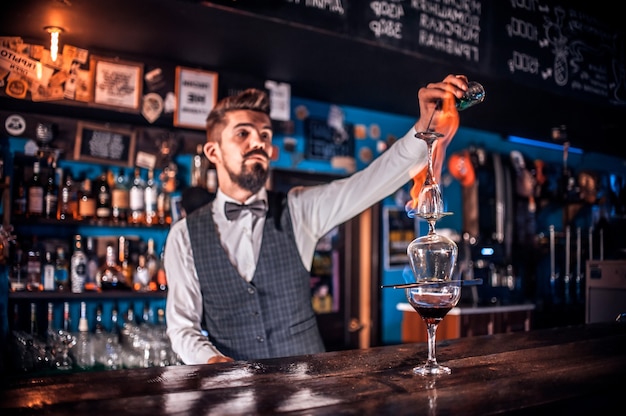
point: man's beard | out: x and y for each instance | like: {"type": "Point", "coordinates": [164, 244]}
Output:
{"type": "Point", "coordinates": [252, 178]}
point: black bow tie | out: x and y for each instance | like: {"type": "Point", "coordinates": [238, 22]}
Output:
{"type": "Point", "coordinates": [233, 209]}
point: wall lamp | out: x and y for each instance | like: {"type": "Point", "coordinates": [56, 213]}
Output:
{"type": "Point", "coordinates": [54, 41]}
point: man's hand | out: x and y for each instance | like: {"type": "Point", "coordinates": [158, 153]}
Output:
{"type": "Point", "coordinates": [219, 359]}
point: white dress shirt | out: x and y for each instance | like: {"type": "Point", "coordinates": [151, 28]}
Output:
{"type": "Point", "coordinates": [315, 210]}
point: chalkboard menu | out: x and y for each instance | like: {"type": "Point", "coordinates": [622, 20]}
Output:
{"type": "Point", "coordinates": [545, 44]}
{"type": "Point", "coordinates": [560, 48]}
{"type": "Point", "coordinates": [323, 142]}
{"type": "Point", "coordinates": [445, 30]}
{"type": "Point", "coordinates": [103, 144]}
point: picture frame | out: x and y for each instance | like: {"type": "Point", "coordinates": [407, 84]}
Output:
{"type": "Point", "coordinates": [196, 95]}
{"type": "Point", "coordinates": [398, 232]}
{"type": "Point", "coordinates": [117, 84]}
{"type": "Point", "coordinates": [102, 143]}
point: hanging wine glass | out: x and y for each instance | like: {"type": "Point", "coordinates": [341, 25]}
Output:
{"type": "Point", "coordinates": [429, 200]}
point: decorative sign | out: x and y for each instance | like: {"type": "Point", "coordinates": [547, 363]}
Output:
{"type": "Point", "coordinates": [103, 144]}
{"type": "Point", "coordinates": [117, 84]}
{"type": "Point", "coordinates": [560, 48]}
{"type": "Point", "coordinates": [196, 95]}
{"type": "Point", "coordinates": [324, 142]}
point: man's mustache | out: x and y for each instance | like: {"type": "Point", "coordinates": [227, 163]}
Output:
{"type": "Point", "coordinates": [259, 152]}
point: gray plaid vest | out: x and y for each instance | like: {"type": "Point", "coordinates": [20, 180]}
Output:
{"type": "Point", "coordinates": [272, 315]}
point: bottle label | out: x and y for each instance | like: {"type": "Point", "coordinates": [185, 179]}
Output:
{"type": "Point", "coordinates": [35, 200]}
{"type": "Point", "coordinates": [136, 201]}
{"type": "Point", "coordinates": [87, 208]}
{"type": "Point", "coordinates": [119, 199]}
{"type": "Point", "coordinates": [50, 205]}
{"type": "Point", "coordinates": [48, 277]}
{"type": "Point", "coordinates": [79, 274]}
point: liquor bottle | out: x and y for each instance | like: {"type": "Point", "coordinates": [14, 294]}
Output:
{"type": "Point", "coordinates": [120, 198]}
{"type": "Point", "coordinates": [20, 201]}
{"type": "Point", "coordinates": [51, 329]}
{"type": "Point", "coordinates": [103, 197]}
{"type": "Point", "coordinates": [33, 267]}
{"type": "Point", "coordinates": [199, 168]}
{"type": "Point", "coordinates": [99, 325]}
{"type": "Point", "coordinates": [161, 277]}
{"type": "Point", "coordinates": [137, 199]}
{"type": "Point", "coordinates": [84, 349]}
{"type": "Point", "coordinates": [141, 277]}
{"type": "Point", "coordinates": [78, 266]}
{"type": "Point", "coordinates": [67, 319]}
{"type": "Point", "coordinates": [211, 178]}
{"type": "Point", "coordinates": [164, 207]}
{"type": "Point", "coordinates": [115, 322]}
{"type": "Point", "coordinates": [110, 275]}
{"type": "Point", "coordinates": [123, 257]}
{"type": "Point", "coordinates": [18, 272]}
{"type": "Point", "coordinates": [35, 193]}
{"type": "Point", "coordinates": [147, 315]}
{"type": "Point", "coordinates": [62, 271]}
{"type": "Point", "coordinates": [47, 272]}
{"type": "Point", "coordinates": [93, 264]}
{"type": "Point", "coordinates": [161, 317]}
{"type": "Point", "coordinates": [152, 264]}
{"type": "Point", "coordinates": [67, 199]}
{"type": "Point", "coordinates": [86, 201]}
{"type": "Point", "coordinates": [50, 197]}
{"type": "Point", "coordinates": [34, 329]}
{"type": "Point", "coordinates": [150, 199]}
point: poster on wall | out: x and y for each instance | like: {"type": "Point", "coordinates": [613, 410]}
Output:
{"type": "Point", "coordinates": [117, 84]}
{"type": "Point", "coordinates": [196, 95]}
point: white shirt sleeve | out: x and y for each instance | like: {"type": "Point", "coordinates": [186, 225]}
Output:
{"type": "Point", "coordinates": [318, 209]}
{"type": "Point", "coordinates": [183, 307]}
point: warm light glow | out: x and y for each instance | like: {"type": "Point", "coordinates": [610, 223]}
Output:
{"type": "Point", "coordinates": [54, 41]}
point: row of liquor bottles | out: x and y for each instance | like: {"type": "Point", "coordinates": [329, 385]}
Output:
{"type": "Point", "coordinates": [48, 267]}
{"type": "Point", "coordinates": [141, 198]}
{"type": "Point", "coordinates": [130, 341]}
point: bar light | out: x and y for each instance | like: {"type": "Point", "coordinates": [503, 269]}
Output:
{"type": "Point", "coordinates": [54, 41]}
{"type": "Point", "coordinates": [544, 145]}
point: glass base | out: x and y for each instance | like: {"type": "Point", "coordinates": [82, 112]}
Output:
{"type": "Point", "coordinates": [430, 369]}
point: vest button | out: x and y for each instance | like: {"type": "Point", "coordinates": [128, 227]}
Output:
{"type": "Point", "coordinates": [251, 290]}
{"type": "Point", "coordinates": [260, 339]}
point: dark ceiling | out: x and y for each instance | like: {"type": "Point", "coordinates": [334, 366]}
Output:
{"type": "Point", "coordinates": [318, 65]}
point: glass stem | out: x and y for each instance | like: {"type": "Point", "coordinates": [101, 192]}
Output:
{"type": "Point", "coordinates": [432, 331]}
{"type": "Point", "coordinates": [430, 174]}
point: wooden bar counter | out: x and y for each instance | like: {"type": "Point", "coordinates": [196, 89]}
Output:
{"type": "Point", "coordinates": [567, 370]}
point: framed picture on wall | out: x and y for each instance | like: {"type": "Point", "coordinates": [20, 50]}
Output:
{"type": "Point", "coordinates": [117, 84]}
{"type": "Point", "coordinates": [102, 143]}
{"type": "Point", "coordinates": [398, 232]}
{"type": "Point", "coordinates": [196, 95]}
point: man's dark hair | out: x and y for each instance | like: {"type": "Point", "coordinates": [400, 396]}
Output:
{"type": "Point", "coordinates": [250, 99]}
